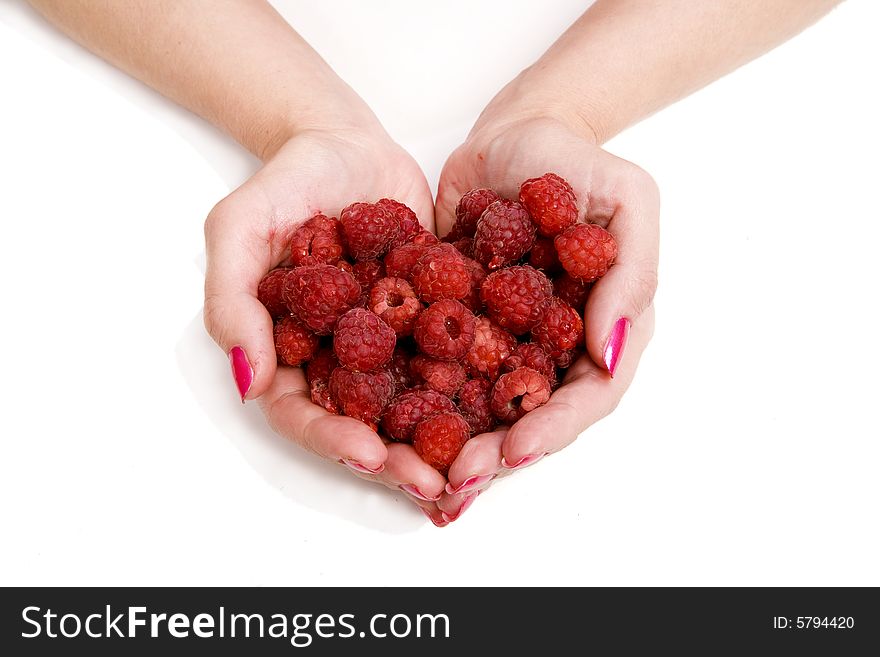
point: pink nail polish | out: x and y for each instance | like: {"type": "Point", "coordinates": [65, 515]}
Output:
{"type": "Point", "coordinates": [469, 484]}
{"type": "Point", "coordinates": [242, 371]}
{"type": "Point", "coordinates": [415, 492]}
{"type": "Point", "coordinates": [616, 344]}
{"type": "Point", "coordinates": [524, 462]}
{"type": "Point", "coordinates": [464, 507]}
{"type": "Point", "coordinates": [437, 523]}
{"type": "Point", "coordinates": [358, 467]}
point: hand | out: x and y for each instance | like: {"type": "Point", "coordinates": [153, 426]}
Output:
{"type": "Point", "coordinates": [619, 318]}
{"type": "Point", "coordinates": [246, 235]}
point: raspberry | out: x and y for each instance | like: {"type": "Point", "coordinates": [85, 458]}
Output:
{"type": "Point", "coordinates": [551, 202]}
{"type": "Point", "coordinates": [411, 407]}
{"type": "Point", "coordinates": [406, 220]}
{"type": "Point", "coordinates": [441, 273]}
{"type": "Point", "coordinates": [394, 300]}
{"type": "Point", "coordinates": [399, 262]}
{"type": "Point", "coordinates": [362, 341]}
{"type": "Point", "coordinates": [445, 330]}
{"type": "Point", "coordinates": [586, 251]}
{"type": "Point", "coordinates": [271, 292]}
{"type": "Point", "coordinates": [516, 297]}
{"type": "Point", "coordinates": [473, 402]}
{"type": "Point", "coordinates": [398, 367]}
{"type": "Point", "coordinates": [294, 343]}
{"type": "Point", "coordinates": [492, 345]}
{"type": "Point", "coordinates": [478, 274]}
{"type": "Point", "coordinates": [425, 238]}
{"type": "Point", "coordinates": [465, 246]}
{"type": "Point", "coordinates": [572, 291]}
{"type": "Point", "coordinates": [518, 392]}
{"type": "Point", "coordinates": [560, 331]}
{"type": "Point", "coordinates": [320, 294]}
{"type": "Point", "coordinates": [505, 233]}
{"type": "Point", "coordinates": [369, 229]}
{"type": "Point", "coordinates": [361, 395]}
{"type": "Point", "coordinates": [367, 272]}
{"type": "Point", "coordinates": [532, 356]}
{"type": "Point", "coordinates": [444, 376]}
{"type": "Point", "coordinates": [439, 439]}
{"type": "Point", "coordinates": [317, 242]}
{"type": "Point", "coordinates": [469, 209]}
{"type": "Point", "coordinates": [543, 256]}
{"type": "Point", "coordinates": [318, 371]}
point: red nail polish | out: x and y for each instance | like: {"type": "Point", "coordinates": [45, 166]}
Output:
{"type": "Point", "coordinates": [524, 462]}
{"type": "Point", "coordinates": [437, 523]}
{"type": "Point", "coordinates": [359, 467]}
{"type": "Point", "coordinates": [464, 507]}
{"type": "Point", "coordinates": [469, 484]}
{"type": "Point", "coordinates": [242, 371]}
{"type": "Point", "coordinates": [415, 492]}
{"type": "Point", "coordinates": [616, 344]}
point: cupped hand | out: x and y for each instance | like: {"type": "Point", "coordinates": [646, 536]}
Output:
{"type": "Point", "coordinates": [619, 315]}
{"type": "Point", "coordinates": [247, 234]}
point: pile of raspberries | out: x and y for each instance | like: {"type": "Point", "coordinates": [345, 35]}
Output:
{"type": "Point", "coordinates": [430, 341]}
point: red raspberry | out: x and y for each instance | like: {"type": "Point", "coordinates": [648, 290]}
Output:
{"type": "Point", "coordinates": [369, 229]}
{"type": "Point", "coordinates": [492, 345]}
{"type": "Point", "coordinates": [473, 402]}
{"type": "Point", "coordinates": [367, 272]}
{"type": "Point", "coordinates": [533, 356]}
{"type": "Point", "coordinates": [318, 371]}
{"type": "Point", "coordinates": [469, 209]}
{"type": "Point", "coordinates": [551, 202]}
{"type": "Point", "coordinates": [317, 242]}
{"type": "Point", "coordinates": [560, 331]}
{"type": "Point", "coordinates": [271, 292]}
{"type": "Point", "coordinates": [586, 251]}
{"type": "Point", "coordinates": [361, 395]}
{"type": "Point", "coordinates": [399, 262]}
{"type": "Point", "coordinates": [444, 376]}
{"type": "Point", "coordinates": [394, 300]}
{"type": "Point", "coordinates": [445, 330]}
{"type": "Point", "coordinates": [516, 297]}
{"type": "Point", "coordinates": [398, 367]}
{"type": "Point", "coordinates": [439, 439]}
{"type": "Point", "coordinates": [362, 341]}
{"type": "Point", "coordinates": [320, 294]}
{"type": "Point", "coordinates": [478, 274]}
{"type": "Point", "coordinates": [406, 220]}
{"type": "Point", "coordinates": [543, 256]}
{"type": "Point", "coordinates": [441, 273]}
{"type": "Point", "coordinates": [518, 392]}
{"type": "Point", "coordinates": [425, 238]}
{"type": "Point", "coordinates": [411, 407]}
{"type": "Point", "coordinates": [572, 291]}
{"type": "Point", "coordinates": [504, 234]}
{"type": "Point", "coordinates": [465, 246]}
{"type": "Point", "coordinates": [294, 343]}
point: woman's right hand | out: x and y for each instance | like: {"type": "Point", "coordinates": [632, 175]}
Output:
{"type": "Point", "coordinates": [247, 233]}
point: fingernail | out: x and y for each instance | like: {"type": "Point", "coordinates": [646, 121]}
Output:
{"type": "Point", "coordinates": [437, 523]}
{"type": "Point", "coordinates": [524, 462]}
{"type": "Point", "coordinates": [616, 344]}
{"type": "Point", "coordinates": [464, 507]}
{"type": "Point", "coordinates": [359, 467]}
{"type": "Point", "coordinates": [469, 484]}
{"type": "Point", "coordinates": [242, 371]}
{"type": "Point", "coordinates": [415, 492]}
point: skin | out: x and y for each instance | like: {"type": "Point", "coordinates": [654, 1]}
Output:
{"type": "Point", "coordinates": [248, 72]}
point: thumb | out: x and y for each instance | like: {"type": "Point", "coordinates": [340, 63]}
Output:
{"type": "Point", "coordinates": [235, 318]}
{"type": "Point", "coordinates": [619, 298]}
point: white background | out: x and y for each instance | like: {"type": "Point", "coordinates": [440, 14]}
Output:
{"type": "Point", "coordinates": [746, 451]}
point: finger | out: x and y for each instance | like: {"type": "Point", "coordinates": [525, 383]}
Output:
{"type": "Point", "coordinates": [477, 464]}
{"type": "Point", "coordinates": [405, 469]}
{"type": "Point", "coordinates": [587, 395]}
{"type": "Point", "coordinates": [452, 507]}
{"type": "Point", "coordinates": [619, 298]}
{"type": "Point", "coordinates": [291, 413]}
{"type": "Point", "coordinates": [238, 258]}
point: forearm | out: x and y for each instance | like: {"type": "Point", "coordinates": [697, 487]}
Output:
{"type": "Point", "coordinates": [625, 59]}
{"type": "Point", "coordinates": [236, 63]}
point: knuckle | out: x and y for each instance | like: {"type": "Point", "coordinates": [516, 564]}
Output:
{"type": "Point", "coordinates": [641, 288]}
